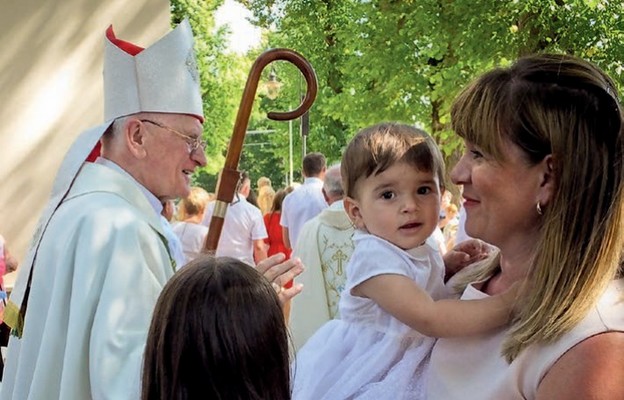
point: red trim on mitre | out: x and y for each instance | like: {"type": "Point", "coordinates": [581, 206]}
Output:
{"type": "Point", "coordinates": [128, 47]}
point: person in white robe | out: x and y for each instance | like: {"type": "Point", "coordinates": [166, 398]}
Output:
{"type": "Point", "coordinates": [82, 303]}
{"type": "Point", "coordinates": [189, 229]}
{"type": "Point", "coordinates": [325, 246]}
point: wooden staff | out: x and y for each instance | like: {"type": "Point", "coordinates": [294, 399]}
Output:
{"type": "Point", "coordinates": [228, 181]}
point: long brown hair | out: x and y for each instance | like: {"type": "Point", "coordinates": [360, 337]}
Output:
{"type": "Point", "coordinates": [278, 199]}
{"type": "Point", "coordinates": [565, 107]}
{"type": "Point", "coordinates": [218, 332]}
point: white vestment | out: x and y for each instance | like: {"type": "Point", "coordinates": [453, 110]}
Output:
{"type": "Point", "coordinates": [324, 246]}
{"type": "Point", "coordinates": [101, 264]}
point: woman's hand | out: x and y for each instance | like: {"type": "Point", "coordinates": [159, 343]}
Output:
{"type": "Point", "coordinates": [278, 272]}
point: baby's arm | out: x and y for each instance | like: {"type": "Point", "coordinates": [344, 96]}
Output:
{"type": "Point", "coordinates": [406, 301]}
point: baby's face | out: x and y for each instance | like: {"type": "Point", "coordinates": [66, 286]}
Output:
{"type": "Point", "coordinates": [400, 205]}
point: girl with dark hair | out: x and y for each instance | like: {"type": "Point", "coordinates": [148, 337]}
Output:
{"type": "Point", "coordinates": [275, 239]}
{"type": "Point", "coordinates": [217, 332]}
{"type": "Point", "coordinates": [274, 229]}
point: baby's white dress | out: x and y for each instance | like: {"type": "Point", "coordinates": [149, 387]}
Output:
{"type": "Point", "coordinates": [369, 354]}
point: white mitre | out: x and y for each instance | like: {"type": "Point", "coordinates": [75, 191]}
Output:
{"type": "Point", "coordinates": [160, 78]}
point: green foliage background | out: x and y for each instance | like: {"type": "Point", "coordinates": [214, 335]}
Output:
{"type": "Point", "coordinates": [384, 60]}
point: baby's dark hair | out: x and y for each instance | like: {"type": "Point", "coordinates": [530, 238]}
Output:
{"type": "Point", "coordinates": [376, 148]}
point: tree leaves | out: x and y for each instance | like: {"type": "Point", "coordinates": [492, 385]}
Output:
{"type": "Point", "coordinates": [406, 60]}
{"type": "Point", "coordinates": [380, 60]}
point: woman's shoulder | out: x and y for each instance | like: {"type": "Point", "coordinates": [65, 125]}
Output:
{"type": "Point", "coordinates": [588, 370]}
{"type": "Point", "coordinates": [199, 229]}
{"type": "Point", "coordinates": [589, 366]}
{"type": "Point", "coordinates": [591, 351]}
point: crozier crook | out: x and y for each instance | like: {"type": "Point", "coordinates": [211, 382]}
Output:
{"type": "Point", "coordinates": [230, 175]}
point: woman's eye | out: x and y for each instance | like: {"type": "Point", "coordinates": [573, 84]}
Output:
{"type": "Point", "coordinates": [476, 154]}
{"type": "Point", "coordinates": [387, 195]}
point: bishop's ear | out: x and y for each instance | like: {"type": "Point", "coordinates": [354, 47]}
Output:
{"type": "Point", "coordinates": [135, 134]}
{"type": "Point", "coordinates": [352, 208]}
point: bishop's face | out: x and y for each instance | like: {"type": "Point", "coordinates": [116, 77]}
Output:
{"type": "Point", "coordinates": [173, 151]}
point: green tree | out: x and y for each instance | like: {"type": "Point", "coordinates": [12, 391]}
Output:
{"type": "Point", "coordinates": [383, 60]}
{"type": "Point", "coordinates": [406, 60]}
{"type": "Point", "coordinates": [318, 42]}
{"type": "Point", "coordinates": [222, 77]}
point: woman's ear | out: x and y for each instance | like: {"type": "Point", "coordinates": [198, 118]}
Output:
{"type": "Point", "coordinates": [134, 134]}
{"type": "Point", "coordinates": [353, 211]}
{"type": "Point", "coordinates": [547, 180]}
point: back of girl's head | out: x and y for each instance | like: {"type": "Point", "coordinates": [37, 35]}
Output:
{"type": "Point", "coordinates": [195, 202]}
{"type": "Point", "coordinates": [266, 195]}
{"type": "Point", "coordinates": [376, 148]}
{"type": "Point", "coordinates": [565, 107]}
{"type": "Point", "coordinates": [263, 181]}
{"type": "Point", "coordinates": [218, 332]}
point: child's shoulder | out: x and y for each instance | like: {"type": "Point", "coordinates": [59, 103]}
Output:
{"type": "Point", "coordinates": [375, 256]}
{"type": "Point", "coordinates": [366, 243]}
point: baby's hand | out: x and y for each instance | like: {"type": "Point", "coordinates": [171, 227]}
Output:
{"type": "Point", "coordinates": [464, 254]}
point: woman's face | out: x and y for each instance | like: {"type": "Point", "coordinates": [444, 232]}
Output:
{"type": "Point", "coordinates": [500, 198]}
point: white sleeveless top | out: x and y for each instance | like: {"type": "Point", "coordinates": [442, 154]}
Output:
{"type": "Point", "coordinates": [473, 368]}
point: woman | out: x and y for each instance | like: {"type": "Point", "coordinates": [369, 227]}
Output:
{"type": "Point", "coordinates": [217, 333]}
{"type": "Point", "coordinates": [265, 194]}
{"type": "Point", "coordinates": [274, 229]}
{"type": "Point", "coordinates": [275, 239]}
{"type": "Point", "coordinates": [543, 179]}
{"type": "Point", "coordinates": [189, 229]}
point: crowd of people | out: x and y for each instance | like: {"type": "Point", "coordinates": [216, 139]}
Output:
{"type": "Point", "coordinates": [399, 290]}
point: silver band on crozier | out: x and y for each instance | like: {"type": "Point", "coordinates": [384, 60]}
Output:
{"type": "Point", "coordinates": [219, 209]}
